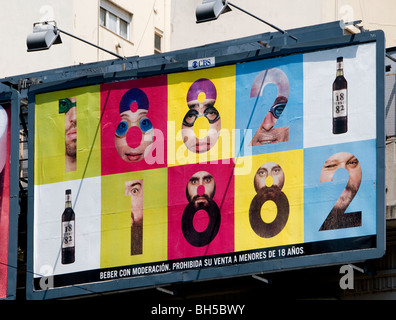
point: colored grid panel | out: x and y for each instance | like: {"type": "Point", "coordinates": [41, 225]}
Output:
{"type": "Point", "coordinates": [201, 94]}
{"type": "Point", "coordinates": [273, 223]}
{"type": "Point", "coordinates": [340, 176]}
{"type": "Point", "coordinates": [133, 125]}
{"type": "Point", "coordinates": [118, 210]}
{"type": "Point", "coordinates": [48, 233]}
{"type": "Point", "coordinates": [200, 196]}
{"type": "Point", "coordinates": [269, 105]}
{"type": "Point", "coordinates": [51, 132]}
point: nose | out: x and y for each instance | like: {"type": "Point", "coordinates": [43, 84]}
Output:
{"type": "Point", "coordinates": [268, 122]}
{"type": "Point", "coordinates": [201, 190]}
{"type": "Point", "coordinates": [73, 114]}
{"type": "Point", "coordinates": [134, 137]}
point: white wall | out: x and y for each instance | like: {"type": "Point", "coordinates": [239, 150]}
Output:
{"type": "Point", "coordinates": [286, 14]}
{"type": "Point", "coordinates": [16, 22]}
{"type": "Point", "coordinates": [80, 18]}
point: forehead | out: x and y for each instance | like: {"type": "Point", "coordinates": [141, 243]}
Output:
{"type": "Point", "coordinates": [340, 157]}
{"type": "Point", "coordinates": [201, 174]}
{"type": "Point", "coordinates": [269, 166]}
{"type": "Point", "coordinates": [196, 102]}
{"type": "Point", "coordinates": [129, 114]}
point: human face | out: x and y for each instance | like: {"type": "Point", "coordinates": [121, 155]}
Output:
{"type": "Point", "coordinates": [269, 169]}
{"type": "Point", "coordinates": [134, 189]}
{"type": "Point", "coordinates": [198, 108]}
{"type": "Point", "coordinates": [71, 130]}
{"type": "Point", "coordinates": [266, 133]}
{"type": "Point", "coordinates": [200, 188]}
{"type": "Point", "coordinates": [349, 162]}
{"type": "Point", "coordinates": [134, 135]}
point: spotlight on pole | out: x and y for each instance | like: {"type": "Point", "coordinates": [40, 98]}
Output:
{"type": "Point", "coordinates": [46, 33]}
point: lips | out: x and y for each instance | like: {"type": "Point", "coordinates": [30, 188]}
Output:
{"type": "Point", "coordinates": [202, 146]}
{"type": "Point", "coordinates": [72, 134]}
{"type": "Point", "coordinates": [134, 156]}
{"type": "Point", "coordinates": [267, 141]}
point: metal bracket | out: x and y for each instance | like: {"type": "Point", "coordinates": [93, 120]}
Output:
{"type": "Point", "coordinates": [162, 289]}
{"type": "Point", "coordinates": [352, 27]}
{"type": "Point", "coordinates": [255, 276]}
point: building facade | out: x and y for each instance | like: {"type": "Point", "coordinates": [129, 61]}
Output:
{"type": "Point", "coordinates": [128, 28]}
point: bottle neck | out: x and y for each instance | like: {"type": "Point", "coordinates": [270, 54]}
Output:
{"type": "Point", "coordinates": [68, 203]}
{"type": "Point", "coordinates": [340, 69]}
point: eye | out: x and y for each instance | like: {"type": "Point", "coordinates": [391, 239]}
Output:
{"type": "Point", "coordinates": [122, 128]}
{"type": "Point", "coordinates": [262, 173]}
{"type": "Point", "coordinates": [278, 109]}
{"type": "Point", "coordinates": [190, 118]}
{"type": "Point", "coordinates": [146, 125]}
{"type": "Point", "coordinates": [135, 191]}
{"type": "Point", "coordinates": [208, 179]}
{"type": "Point", "coordinates": [353, 163]}
{"type": "Point", "coordinates": [212, 114]}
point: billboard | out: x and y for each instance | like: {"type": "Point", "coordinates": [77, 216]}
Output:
{"type": "Point", "coordinates": [250, 167]}
{"type": "Point", "coordinates": [9, 188]}
{"type": "Point", "coordinates": [5, 124]}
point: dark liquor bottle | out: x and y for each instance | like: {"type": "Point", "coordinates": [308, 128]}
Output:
{"type": "Point", "coordinates": [68, 231]}
{"type": "Point", "coordinates": [340, 100]}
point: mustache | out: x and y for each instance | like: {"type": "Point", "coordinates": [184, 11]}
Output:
{"type": "Point", "coordinates": [198, 196]}
{"type": "Point", "coordinates": [351, 188]}
{"type": "Point", "coordinates": [72, 125]}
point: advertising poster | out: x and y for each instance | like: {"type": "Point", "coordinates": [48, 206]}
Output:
{"type": "Point", "coordinates": [148, 179]}
{"type": "Point", "coordinates": [5, 124]}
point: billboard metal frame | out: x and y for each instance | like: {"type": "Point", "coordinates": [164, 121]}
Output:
{"type": "Point", "coordinates": [8, 95]}
{"type": "Point", "coordinates": [265, 46]}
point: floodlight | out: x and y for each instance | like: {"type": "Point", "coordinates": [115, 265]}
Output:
{"type": "Point", "coordinates": [46, 33]}
{"type": "Point", "coordinates": [211, 10]}
{"type": "Point", "coordinates": [43, 37]}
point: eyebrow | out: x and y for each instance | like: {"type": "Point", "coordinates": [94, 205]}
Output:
{"type": "Point", "coordinates": [197, 178]}
{"type": "Point", "coordinates": [139, 112]}
{"type": "Point", "coordinates": [205, 104]}
{"type": "Point", "coordinates": [135, 184]}
{"type": "Point", "coordinates": [353, 158]}
{"type": "Point", "coordinates": [331, 163]}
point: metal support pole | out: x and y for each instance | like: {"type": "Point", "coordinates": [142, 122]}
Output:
{"type": "Point", "coordinates": [270, 24]}
{"type": "Point", "coordinates": [94, 45]}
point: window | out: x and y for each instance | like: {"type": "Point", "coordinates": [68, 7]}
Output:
{"type": "Point", "coordinates": [115, 19]}
{"type": "Point", "coordinates": [157, 42]}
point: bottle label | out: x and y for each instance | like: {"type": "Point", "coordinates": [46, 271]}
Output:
{"type": "Point", "coordinates": [340, 103]}
{"type": "Point", "coordinates": [68, 234]}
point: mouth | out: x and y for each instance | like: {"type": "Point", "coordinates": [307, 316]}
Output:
{"type": "Point", "coordinates": [72, 134]}
{"type": "Point", "coordinates": [134, 156]}
{"type": "Point", "coordinates": [202, 146]}
{"type": "Point", "coordinates": [265, 140]}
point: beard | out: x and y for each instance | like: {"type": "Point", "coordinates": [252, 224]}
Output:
{"type": "Point", "coordinates": [197, 238]}
{"type": "Point", "coordinates": [337, 218]}
{"type": "Point", "coordinates": [71, 148]}
{"type": "Point", "coordinates": [201, 202]}
{"type": "Point", "coordinates": [70, 145]}
{"type": "Point", "coordinates": [259, 226]}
